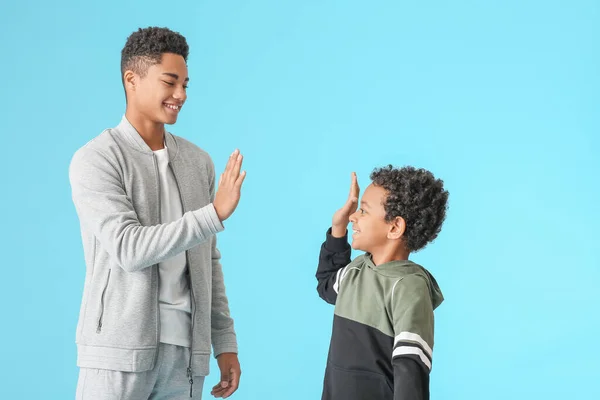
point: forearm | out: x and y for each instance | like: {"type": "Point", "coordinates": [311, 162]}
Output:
{"type": "Point", "coordinates": [335, 254]}
{"type": "Point", "coordinates": [222, 326]}
{"type": "Point", "coordinates": [410, 380]}
{"type": "Point", "coordinates": [135, 247]}
{"type": "Point", "coordinates": [106, 210]}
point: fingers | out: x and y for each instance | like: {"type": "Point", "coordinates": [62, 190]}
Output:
{"type": "Point", "coordinates": [219, 389]}
{"type": "Point", "coordinates": [232, 169]}
{"type": "Point", "coordinates": [231, 161]}
{"type": "Point", "coordinates": [350, 203]}
{"type": "Point", "coordinates": [353, 196]}
{"type": "Point", "coordinates": [354, 189]}
{"type": "Point", "coordinates": [233, 383]}
{"type": "Point", "coordinates": [240, 180]}
{"type": "Point", "coordinates": [237, 166]}
{"type": "Point", "coordinates": [228, 385]}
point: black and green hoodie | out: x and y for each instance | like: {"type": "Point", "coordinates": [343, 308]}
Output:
{"type": "Point", "coordinates": [382, 340]}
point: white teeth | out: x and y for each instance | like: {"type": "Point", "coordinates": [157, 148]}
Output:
{"type": "Point", "coordinates": [172, 107]}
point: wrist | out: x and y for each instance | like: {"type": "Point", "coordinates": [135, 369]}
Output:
{"type": "Point", "coordinates": [219, 213]}
{"type": "Point", "coordinates": [338, 231]}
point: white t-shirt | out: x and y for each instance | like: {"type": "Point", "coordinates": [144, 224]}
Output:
{"type": "Point", "coordinates": [174, 292]}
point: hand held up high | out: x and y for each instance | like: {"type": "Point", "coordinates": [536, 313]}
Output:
{"type": "Point", "coordinates": [230, 185]}
{"type": "Point", "coordinates": [341, 218]}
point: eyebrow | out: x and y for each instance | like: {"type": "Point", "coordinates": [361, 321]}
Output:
{"type": "Point", "coordinates": [365, 204]}
{"type": "Point", "coordinates": [172, 75]}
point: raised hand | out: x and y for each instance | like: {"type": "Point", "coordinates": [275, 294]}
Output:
{"type": "Point", "coordinates": [230, 185]}
{"type": "Point", "coordinates": [341, 218]}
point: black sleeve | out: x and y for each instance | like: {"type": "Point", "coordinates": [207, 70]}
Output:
{"type": "Point", "coordinates": [335, 255]}
{"type": "Point", "coordinates": [411, 382]}
{"type": "Point", "coordinates": [412, 315]}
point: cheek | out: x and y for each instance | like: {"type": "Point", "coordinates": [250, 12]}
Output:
{"type": "Point", "coordinates": [377, 229]}
{"type": "Point", "coordinates": [151, 93]}
{"type": "Point", "coordinates": [155, 100]}
{"type": "Point", "coordinates": [143, 95]}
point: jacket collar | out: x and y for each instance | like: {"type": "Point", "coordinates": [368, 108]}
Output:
{"type": "Point", "coordinates": [137, 142]}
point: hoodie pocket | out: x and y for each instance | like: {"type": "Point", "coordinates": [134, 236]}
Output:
{"type": "Point", "coordinates": [101, 316]}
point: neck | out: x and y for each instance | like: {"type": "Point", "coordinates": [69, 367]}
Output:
{"type": "Point", "coordinates": [153, 133]}
{"type": "Point", "coordinates": [389, 253]}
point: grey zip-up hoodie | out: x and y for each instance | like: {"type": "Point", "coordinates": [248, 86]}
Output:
{"type": "Point", "coordinates": [115, 188]}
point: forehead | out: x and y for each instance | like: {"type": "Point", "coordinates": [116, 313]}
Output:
{"type": "Point", "coordinates": [374, 195]}
{"type": "Point", "coordinates": [171, 63]}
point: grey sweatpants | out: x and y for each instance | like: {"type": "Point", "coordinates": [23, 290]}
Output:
{"type": "Point", "coordinates": [168, 380]}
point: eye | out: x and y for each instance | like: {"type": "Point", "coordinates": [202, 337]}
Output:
{"type": "Point", "coordinates": [361, 211]}
{"type": "Point", "coordinates": [169, 83]}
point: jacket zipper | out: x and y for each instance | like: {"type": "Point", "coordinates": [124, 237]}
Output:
{"type": "Point", "coordinates": [187, 260]}
{"type": "Point", "coordinates": [156, 269]}
{"type": "Point", "coordinates": [99, 329]}
{"type": "Point", "coordinates": [189, 370]}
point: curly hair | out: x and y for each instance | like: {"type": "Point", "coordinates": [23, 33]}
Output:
{"type": "Point", "coordinates": [145, 48]}
{"type": "Point", "coordinates": [416, 196]}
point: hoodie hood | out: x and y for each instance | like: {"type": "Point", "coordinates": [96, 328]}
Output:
{"type": "Point", "coordinates": [405, 267]}
{"type": "Point", "coordinates": [434, 289]}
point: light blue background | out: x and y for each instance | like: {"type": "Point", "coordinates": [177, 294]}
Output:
{"type": "Point", "coordinates": [498, 98]}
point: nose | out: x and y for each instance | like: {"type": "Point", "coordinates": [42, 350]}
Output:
{"type": "Point", "coordinates": [353, 216]}
{"type": "Point", "coordinates": [180, 94]}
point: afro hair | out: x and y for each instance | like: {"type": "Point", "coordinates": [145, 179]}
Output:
{"type": "Point", "coordinates": [416, 196]}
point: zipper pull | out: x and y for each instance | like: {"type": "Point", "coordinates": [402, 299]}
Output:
{"type": "Point", "coordinates": [99, 329]}
{"type": "Point", "coordinates": [189, 374]}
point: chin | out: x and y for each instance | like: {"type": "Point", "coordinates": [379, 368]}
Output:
{"type": "Point", "coordinates": [164, 119]}
{"type": "Point", "coordinates": [167, 118]}
{"type": "Point", "coordinates": [169, 121]}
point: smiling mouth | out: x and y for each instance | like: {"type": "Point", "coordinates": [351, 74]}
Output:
{"type": "Point", "coordinates": [172, 107]}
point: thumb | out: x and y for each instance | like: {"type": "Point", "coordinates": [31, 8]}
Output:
{"type": "Point", "coordinates": [347, 208]}
{"type": "Point", "coordinates": [224, 379]}
{"type": "Point", "coordinates": [350, 203]}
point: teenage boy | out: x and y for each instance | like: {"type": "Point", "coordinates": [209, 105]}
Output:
{"type": "Point", "coordinates": [154, 298]}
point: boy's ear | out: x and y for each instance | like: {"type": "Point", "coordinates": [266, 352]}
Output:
{"type": "Point", "coordinates": [397, 228]}
{"type": "Point", "coordinates": [130, 80]}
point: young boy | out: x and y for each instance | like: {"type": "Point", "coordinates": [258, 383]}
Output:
{"type": "Point", "coordinates": [382, 339]}
{"type": "Point", "coordinates": [154, 299]}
